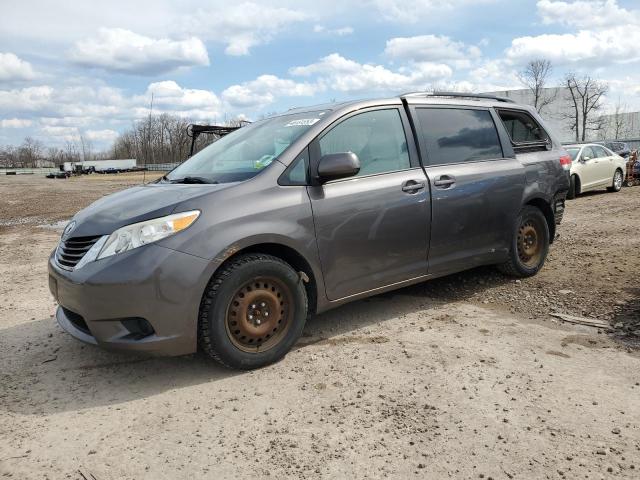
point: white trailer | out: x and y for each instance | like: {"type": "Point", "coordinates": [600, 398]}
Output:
{"type": "Point", "coordinates": [102, 165]}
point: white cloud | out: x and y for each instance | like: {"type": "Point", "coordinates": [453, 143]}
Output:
{"type": "Point", "coordinates": [607, 33]}
{"type": "Point", "coordinates": [240, 26]}
{"type": "Point", "coordinates": [169, 93]}
{"type": "Point", "coordinates": [60, 134]}
{"type": "Point", "coordinates": [65, 121]}
{"type": "Point", "coordinates": [586, 14]}
{"type": "Point", "coordinates": [170, 97]}
{"type": "Point", "coordinates": [13, 68]}
{"type": "Point", "coordinates": [121, 50]}
{"type": "Point", "coordinates": [264, 90]}
{"type": "Point", "coordinates": [15, 123]}
{"type": "Point", "coordinates": [599, 47]}
{"type": "Point", "coordinates": [340, 32]}
{"type": "Point", "coordinates": [431, 48]}
{"type": "Point", "coordinates": [98, 111]}
{"type": "Point", "coordinates": [495, 75]}
{"type": "Point", "coordinates": [417, 10]}
{"type": "Point", "coordinates": [334, 72]}
{"type": "Point", "coordinates": [25, 99]}
{"type": "Point", "coordinates": [106, 135]}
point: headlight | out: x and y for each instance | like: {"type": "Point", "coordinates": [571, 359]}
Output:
{"type": "Point", "coordinates": [138, 234]}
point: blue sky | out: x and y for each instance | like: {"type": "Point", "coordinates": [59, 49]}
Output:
{"type": "Point", "coordinates": [89, 68]}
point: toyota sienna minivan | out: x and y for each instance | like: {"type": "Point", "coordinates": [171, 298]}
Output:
{"type": "Point", "coordinates": [296, 214]}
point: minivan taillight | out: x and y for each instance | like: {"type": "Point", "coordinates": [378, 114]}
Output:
{"type": "Point", "coordinates": [565, 161]}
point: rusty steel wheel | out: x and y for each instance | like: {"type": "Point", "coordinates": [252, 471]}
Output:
{"type": "Point", "coordinates": [529, 245]}
{"type": "Point", "coordinates": [252, 311]}
{"type": "Point", "coordinates": [259, 314]}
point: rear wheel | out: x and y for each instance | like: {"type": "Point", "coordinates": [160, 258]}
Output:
{"type": "Point", "coordinates": [252, 312]}
{"type": "Point", "coordinates": [616, 183]}
{"type": "Point", "coordinates": [530, 244]}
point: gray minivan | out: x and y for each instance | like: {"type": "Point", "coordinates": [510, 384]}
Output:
{"type": "Point", "coordinates": [305, 211]}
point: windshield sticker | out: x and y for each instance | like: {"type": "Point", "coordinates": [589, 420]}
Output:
{"type": "Point", "coordinates": [263, 162]}
{"type": "Point", "coordinates": [302, 122]}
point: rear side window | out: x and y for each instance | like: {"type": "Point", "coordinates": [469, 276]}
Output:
{"type": "Point", "coordinates": [600, 152]}
{"type": "Point", "coordinates": [456, 135]}
{"type": "Point", "coordinates": [524, 131]}
{"type": "Point", "coordinates": [587, 153]}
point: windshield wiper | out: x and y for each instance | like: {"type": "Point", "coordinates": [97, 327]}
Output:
{"type": "Point", "coordinates": [192, 180]}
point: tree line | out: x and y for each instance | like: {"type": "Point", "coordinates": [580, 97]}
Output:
{"type": "Point", "coordinates": [32, 153]}
{"type": "Point", "coordinates": [155, 139]}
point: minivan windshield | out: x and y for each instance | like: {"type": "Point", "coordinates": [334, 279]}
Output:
{"type": "Point", "coordinates": [243, 153]}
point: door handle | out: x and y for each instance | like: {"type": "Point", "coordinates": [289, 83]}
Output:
{"type": "Point", "coordinates": [444, 181]}
{"type": "Point", "coordinates": [412, 186]}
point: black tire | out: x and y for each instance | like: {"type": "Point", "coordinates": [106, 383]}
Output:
{"type": "Point", "coordinates": [617, 181]}
{"type": "Point", "coordinates": [530, 244]}
{"type": "Point", "coordinates": [271, 275]}
{"type": "Point", "coordinates": [573, 188]}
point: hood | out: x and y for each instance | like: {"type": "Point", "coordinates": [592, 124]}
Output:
{"type": "Point", "coordinates": [136, 204]}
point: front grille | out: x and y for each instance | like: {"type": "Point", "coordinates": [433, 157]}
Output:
{"type": "Point", "coordinates": [71, 251]}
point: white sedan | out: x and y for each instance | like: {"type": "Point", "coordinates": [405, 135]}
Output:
{"type": "Point", "coordinates": [594, 167]}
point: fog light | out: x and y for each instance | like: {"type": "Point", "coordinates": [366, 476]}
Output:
{"type": "Point", "coordinates": [138, 327]}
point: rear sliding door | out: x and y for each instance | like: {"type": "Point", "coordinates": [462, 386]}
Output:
{"type": "Point", "coordinates": [476, 191]}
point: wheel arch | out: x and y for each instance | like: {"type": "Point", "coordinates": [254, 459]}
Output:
{"type": "Point", "coordinates": [544, 206]}
{"type": "Point", "coordinates": [289, 255]}
{"type": "Point", "coordinates": [578, 183]}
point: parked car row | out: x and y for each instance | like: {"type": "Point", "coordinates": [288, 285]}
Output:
{"type": "Point", "coordinates": [595, 167]}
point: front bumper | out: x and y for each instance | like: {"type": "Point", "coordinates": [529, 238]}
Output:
{"type": "Point", "coordinates": [99, 302]}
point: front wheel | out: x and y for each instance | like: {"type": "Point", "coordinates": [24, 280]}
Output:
{"type": "Point", "coordinates": [616, 183]}
{"type": "Point", "coordinates": [252, 312]}
{"type": "Point", "coordinates": [530, 244]}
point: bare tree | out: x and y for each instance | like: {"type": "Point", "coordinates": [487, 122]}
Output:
{"type": "Point", "coordinates": [85, 148]}
{"type": "Point", "coordinates": [586, 102]}
{"type": "Point", "coordinates": [619, 121]}
{"type": "Point", "coordinates": [535, 77]}
{"type": "Point", "coordinates": [30, 152]}
{"type": "Point", "coordinates": [161, 139]}
{"type": "Point", "coordinates": [71, 153]}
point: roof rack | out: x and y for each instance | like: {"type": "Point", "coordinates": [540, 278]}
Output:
{"type": "Point", "coordinates": [480, 96]}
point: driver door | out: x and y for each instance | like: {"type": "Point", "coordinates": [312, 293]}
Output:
{"type": "Point", "coordinates": [372, 230]}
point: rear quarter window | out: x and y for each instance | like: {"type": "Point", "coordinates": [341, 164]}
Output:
{"type": "Point", "coordinates": [453, 135]}
{"type": "Point", "coordinates": [525, 133]}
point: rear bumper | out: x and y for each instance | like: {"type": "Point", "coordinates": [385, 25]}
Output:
{"type": "Point", "coordinates": [162, 288]}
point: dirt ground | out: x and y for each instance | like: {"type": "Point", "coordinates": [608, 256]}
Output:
{"type": "Point", "coordinates": [467, 376]}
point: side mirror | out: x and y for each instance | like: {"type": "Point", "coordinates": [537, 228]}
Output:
{"type": "Point", "coordinates": [338, 165]}
{"type": "Point", "coordinates": [584, 159]}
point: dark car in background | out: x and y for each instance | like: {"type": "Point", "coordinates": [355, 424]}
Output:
{"type": "Point", "coordinates": [305, 211]}
{"type": "Point", "coordinates": [619, 148]}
